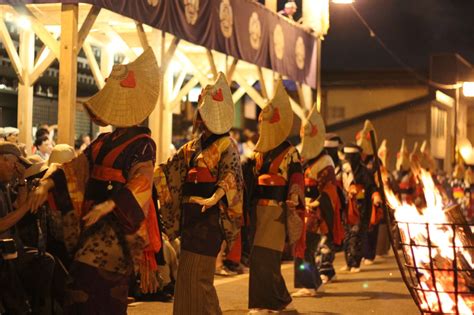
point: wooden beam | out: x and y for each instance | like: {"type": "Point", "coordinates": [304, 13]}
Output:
{"type": "Point", "coordinates": [41, 66]}
{"type": "Point", "coordinates": [7, 41]}
{"type": "Point", "coordinates": [142, 35]}
{"type": "Point", "coordinates": [301, 97]}
{"type": "Point", "coordinates": [184, 91]}
{"type": "Point", "coordinates": [68, 74]}
{"type": "Point", "coordinates": [87, 25]}
{"type": "Point", "coordinates": [298, 110]}
{"type": "Point", "coordinates": [250, 90]}
{"type": "Point", "coordinates": [262, 82]}
{"type": "Point", "coordinates": [177, 87]}
{"type": "Point", "coordinates": [210, 57]}
{"type": "Point", "coordinates": [43, 34]}
{"type": "Point", "coordinates": [25, 89]}
{"type": "Point", "coordinates": [118, 39]}
{"type": "Point", "coordinates": [169, 53]}
{"type": "Point", "coordinates": [46, 57]}
{"type": "Point", "coordinates": [95, 69]}
{"type": "Point", "coordinates": [231, 70]}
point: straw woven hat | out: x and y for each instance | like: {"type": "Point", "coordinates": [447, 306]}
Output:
{"type": "Point", "coordinates": [129, 95]}
{"type": "Point", "coordinates": [403, 158]}
{"type": "Point", "coordinates": [216, 106]}
{"type": "Point", "coordinates": [37, 166]}
{"type": "Point", "coordinates": [363, 138]}
{"type": "Point", "coordinates": [382, 153]}
{"type": "Point", "coordinates": [62, 153]}
{"type": "Point", "coordinates": [426, 160]}
{"type": "Point", "coordinates": [415, 155]}
{"type": "Point", "coordinates": [276, 121]}
{"type": "Point", "coordinates": [313, 134]}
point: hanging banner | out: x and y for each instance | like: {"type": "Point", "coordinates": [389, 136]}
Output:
{"type": "Point", "coordinates": [243, 29]}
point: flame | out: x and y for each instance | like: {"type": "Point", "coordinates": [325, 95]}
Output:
{"type": "Point", "coordinates": [416, 224]}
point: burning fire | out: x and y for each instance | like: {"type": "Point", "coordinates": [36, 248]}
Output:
{"type": "Point", "coordinates": [442, 272]}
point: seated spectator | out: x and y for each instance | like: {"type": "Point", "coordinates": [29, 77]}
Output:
{"type": "Point", "coordinates": [30, 273]}
{"type": "Point", "coordinates": [11, 134]}
{"type": "Point", "coordinates": [43, 147]}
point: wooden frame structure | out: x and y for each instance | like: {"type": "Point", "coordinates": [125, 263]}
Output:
{"type": "Point", "coordinates": [82, 26]}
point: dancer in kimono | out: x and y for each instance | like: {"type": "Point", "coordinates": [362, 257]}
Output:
{"type": "Point", "coordinates": [369, 237]}
{"type": "Point", "coordinates": [323, 225]}
{"type": "Point", "coordinates": [363, 199]}
{"type": "Point", "coordinates": [333, 146]}
{"type": "Point", "coordinates": [279, 204]}
{"type": "Point", "coordinates": [404, 181]}
{"type": "Point", "coordinates": [105, 195]}
{"type": "Point", "coordinates": [200, 190]}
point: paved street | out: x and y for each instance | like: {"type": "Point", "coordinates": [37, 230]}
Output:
{"type": "Point", "coordinates": [377, 289]}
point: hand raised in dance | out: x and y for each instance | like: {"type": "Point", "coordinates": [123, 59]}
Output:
{"type": "Point", "coordinates": [207, 203]}
{"type": "Point", "coordinates": [97, 212]}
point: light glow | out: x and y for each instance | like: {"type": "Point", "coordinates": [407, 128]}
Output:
{"type": "Point", "coordinates": [23, 22]}
{"type": "Point", "coordinates": [468, 89]}
{"type": "Point", "coordinates": [343, 1]}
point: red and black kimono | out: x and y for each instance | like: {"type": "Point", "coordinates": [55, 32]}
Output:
{"type": "Point", "coordinates": [117, 166]}
{"type": "Point", "coordinates": [280, 176]}
{"type": "Point", "coordinates": [324, 223]}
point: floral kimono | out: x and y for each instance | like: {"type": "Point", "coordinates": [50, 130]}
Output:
{"type": "Point", "coordinates": [325, 220]}
{"type": "Point", "coordinates": [199, 168]}
{"type": "Point", "coordinates": [117, 166]}
{"type": "Point", "coordinates": [279, 176]}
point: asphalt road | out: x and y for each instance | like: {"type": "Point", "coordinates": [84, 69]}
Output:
{"type": "Point", "coordinates": [377, 289]}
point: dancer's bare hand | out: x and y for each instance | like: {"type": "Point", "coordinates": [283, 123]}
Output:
{"type": "Point", "coordinates": [40, 195]}
{"type": "Point", "coordinates": [206, 203]}
{"type": "Point", "coordinates": [97, 212]}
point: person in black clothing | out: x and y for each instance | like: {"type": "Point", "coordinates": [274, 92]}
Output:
{"type": "Point", "coordinates": [363, 198]}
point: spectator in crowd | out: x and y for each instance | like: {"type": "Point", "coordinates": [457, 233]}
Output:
{"type": "Point", "coordinates": [2, 135]}
{"type": "Point", "coordinates": [289, 10]}
{"type": "Point", "coordinates": [11, 134]}
{"type": "Point", "coordinates": [24, 282]}
{"type": "Point", "coordinates": [43, 147]}
{"type": "Point", "coordinates": [85, 141]}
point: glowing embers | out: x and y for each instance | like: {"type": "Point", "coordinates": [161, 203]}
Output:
{"type": "Point", "coordinates": [438, 249]}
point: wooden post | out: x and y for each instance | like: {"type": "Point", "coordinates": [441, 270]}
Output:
{"type": "Point", "coordinates": [106, 64]}
{"type": "Point", "coordinates": [263, 87]}
{"type": "Point", "coordinates": [25, 89]}
{"type": "Point", "coordinates": [68, 74]}
{"type": "Point", "coordinates": [271, 4]}
{"type": "Point", "coordinates": [318, 76]}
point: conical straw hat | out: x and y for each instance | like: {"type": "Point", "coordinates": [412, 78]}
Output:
{"type": "Point", "coordinates": [403, 158]}
{"type": "Point", "coordinates": [383, 152]}
{"type": "Point", "coordinates": [61, 153]}
{"type": "Point", "coordinates": [363, 138]}
{"type": "Point", "coordinates": [415, 155]}
{"type": "Point", "coordinates": [313, 134]}
{"type": "Point", "coordinates": [426, 161]}
{"type": "Point", "coordinates": [130, 93]}
{"type": "Point", "coordinates": [216, 106]}
{"type": "Point", "coordinates": [276, 121]}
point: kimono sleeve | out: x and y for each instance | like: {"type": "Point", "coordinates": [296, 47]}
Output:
{"type": "Point", "coordinates": [168, 180]}
{"type": "Point", "coordinates": [133, 200]}
{"type": "Point", "coordinates": [230, 179]}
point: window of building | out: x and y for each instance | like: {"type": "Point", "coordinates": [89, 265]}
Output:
{"type": "Point", "coordinates": [439, 120]}
{"type": "Point", "coordinates": [336, 113]}
{"type": "Point", "coordinates": [417, 123]}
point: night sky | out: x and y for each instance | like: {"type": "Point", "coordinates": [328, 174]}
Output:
{"type": "Point", "coordinates": [413, 29]}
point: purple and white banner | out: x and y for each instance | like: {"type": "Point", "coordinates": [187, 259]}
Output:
{"type": "Point", "coordinates": [243, 29]}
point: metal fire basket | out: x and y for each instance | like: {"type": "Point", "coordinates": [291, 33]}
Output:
{"type": "Point", "coordinates": [456, 274]}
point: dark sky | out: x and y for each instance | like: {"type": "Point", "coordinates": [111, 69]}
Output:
{"type": "Point", "coordinates": [413, 29]}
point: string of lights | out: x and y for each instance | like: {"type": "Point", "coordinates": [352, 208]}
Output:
{"type": "Point", "coordinates": [397, 59]}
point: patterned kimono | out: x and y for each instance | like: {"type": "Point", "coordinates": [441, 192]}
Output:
{"type": "Point", "coordinates": [324, 224]}
{"type": "Point", "coordinates": [279, 175]}
{"type": "Point", "coordinates": [117, 166]}
{"type": "Point", "coordinates": [361, 190]}
{"type": "Point", "coordinates": [198, 169]}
